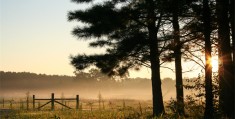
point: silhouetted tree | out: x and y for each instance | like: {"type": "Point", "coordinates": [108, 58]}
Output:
{"type": "Point", "coordinates": [208, 68]}
{"type": "Point", "coordinates": [226, 71]}
{"type": "Point", "coordinates": [232, 25]}
{"type": "Point", "coordinates": [130, 33]}
{"type": "Point", "coordinates": [179, 10]}
{"type": "Point", "coordinates": [158, 107]}
{"type": "Point", "coordinates": [177, 56]}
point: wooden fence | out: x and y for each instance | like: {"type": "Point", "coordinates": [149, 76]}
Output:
{"type": "Point", "coordinates": [54, 100]}
{"type": "Point", "coordinates": [8, 103]}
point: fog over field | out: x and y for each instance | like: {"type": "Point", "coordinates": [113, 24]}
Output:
{"type": "Point", "coordinates": [87, 85]}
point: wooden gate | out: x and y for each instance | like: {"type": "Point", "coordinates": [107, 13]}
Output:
{"type": "Point", "coordinates": [54, 100]}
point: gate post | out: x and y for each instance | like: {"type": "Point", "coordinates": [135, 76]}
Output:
{"type": "Point", "coordinates": [77, 102]}
{"type": "Point", "coordinates": [52, 102]}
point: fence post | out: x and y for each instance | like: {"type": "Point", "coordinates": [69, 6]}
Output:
{"type": "Point", "coordinates": [33, 102]}
{"type": "Point", "coordinates": [77, 102]}
{"type": "Point", "coordinates": [3, 102]}
{"type": "Point", "coordinates": [39, 105]}
{"type": "Point", "coordinates": [21, 104]}
{"type": "Point", "coordinates": [52, 101]}
{"type": "Point", "coordinates": [11, 102]}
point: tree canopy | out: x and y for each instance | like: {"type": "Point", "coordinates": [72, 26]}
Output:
{"type": "Point", "coordinates": [138, 33]}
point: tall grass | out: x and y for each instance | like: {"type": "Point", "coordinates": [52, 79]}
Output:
{"type": "Point", "coordinates": [114, 109]}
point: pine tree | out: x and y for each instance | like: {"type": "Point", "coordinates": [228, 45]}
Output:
{"type": "Point", "coordinates": [129, 32]}
{"type": "Point", "coordinates": [226, 71]}
{"type": "Point", "coordinates": [177, 56]}
{"type": "Point", "coordinates": [208, 68]}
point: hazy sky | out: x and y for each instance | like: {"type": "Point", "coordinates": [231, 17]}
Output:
{"type": "Point", "coordinates": [35, 36]}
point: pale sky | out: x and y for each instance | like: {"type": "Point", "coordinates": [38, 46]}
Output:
{"type": "Point", "coordinates": [35, 36]}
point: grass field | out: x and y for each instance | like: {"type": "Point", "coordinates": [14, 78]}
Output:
{"type": "Point", "coordinates": [95, 109]}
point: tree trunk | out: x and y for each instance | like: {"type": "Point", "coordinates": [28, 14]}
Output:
{"type": "Point", "coordinates": [226, 72]}
{"type": "Point", "coordinates": [158, 107]}
{"type": "Point", "coordinates": [233, 38]}
{"type": "Point", "coordinates": [177, 55]}
{"type": "Point", "coordinates": [208, 114]}
{"type": "Point", "coordinates": [231, 12]}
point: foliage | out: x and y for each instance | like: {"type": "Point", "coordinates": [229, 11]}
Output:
{"type": "Point", "coordinates": [196, 99]}
{"type": "Point", "coordinates": [115, 29]}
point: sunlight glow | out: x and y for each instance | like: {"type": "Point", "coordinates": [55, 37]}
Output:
{"type": "Point", "coordinates": [214, 64]}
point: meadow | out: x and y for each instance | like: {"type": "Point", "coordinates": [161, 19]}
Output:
{"type": "Point", "coordinates": [105, 99]}
{"type": "Point", "coordinates": [94, 109]}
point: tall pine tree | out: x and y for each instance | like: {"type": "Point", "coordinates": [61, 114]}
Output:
{"type": "Point", "coordinates": [208, 68]}
{"type": "Point", "coordinates": [128, 29]}
{"type": "Point", "coordinates": [226, 71]}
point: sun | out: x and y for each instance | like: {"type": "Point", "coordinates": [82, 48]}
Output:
{"type": "Point", "coordinates": [214, 63]}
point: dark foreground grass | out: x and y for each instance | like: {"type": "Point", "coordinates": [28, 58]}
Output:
{"type": "Point", "coordinates": [88, 114]}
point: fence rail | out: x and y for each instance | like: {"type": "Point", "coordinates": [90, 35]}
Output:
{"type": "Point", "coordinates": [50, 103]}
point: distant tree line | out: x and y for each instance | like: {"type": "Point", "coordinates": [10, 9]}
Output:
{"type": "Point", "coordinates": [30, 76]}
{"type": "Point", "coordinates": [91, 81]}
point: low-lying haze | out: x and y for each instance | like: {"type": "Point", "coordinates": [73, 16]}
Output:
{"type": "Point", "coordinates": [87, 85]}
